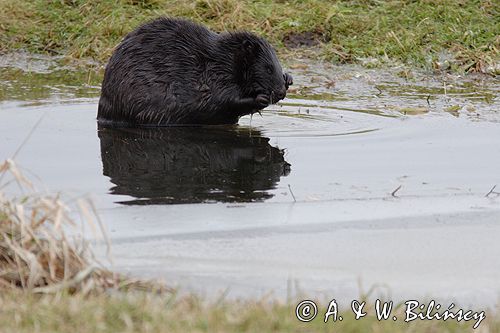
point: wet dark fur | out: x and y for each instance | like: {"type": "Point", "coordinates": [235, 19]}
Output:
{"type": "Point", "coordinates": [172, 71]}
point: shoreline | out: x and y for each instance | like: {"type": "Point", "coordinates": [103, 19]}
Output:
{"type": "Point", "coordinates": [444, 36]}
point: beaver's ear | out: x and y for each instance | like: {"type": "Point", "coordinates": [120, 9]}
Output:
{"type": "Point", "coordinates": [245, 56]}
{"type": "Point", "coordinates": [249, 47]}
{"type": "Point", "coordinates": [248, 52]}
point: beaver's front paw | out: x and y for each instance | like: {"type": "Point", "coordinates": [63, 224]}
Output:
{"type": "Point", "coordinates": [262, 101]}
{"type": "Point", "coordinates": [288, 80]}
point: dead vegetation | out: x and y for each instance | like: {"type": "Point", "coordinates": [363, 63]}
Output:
{"type": "Point", "coordinates": [36, 252]}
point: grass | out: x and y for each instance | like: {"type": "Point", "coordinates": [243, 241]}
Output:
{"type": "Point", "coordinates": [36, 253]}
{"type": "Point", "coordinates": [150, 313]}
{"type": "Point", "coordinates": [457, 35]}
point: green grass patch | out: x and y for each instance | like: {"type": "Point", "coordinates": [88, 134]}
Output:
{"type": "Point", "coordinates": [459, 35]}
{"type": "Point", "coordinates": [143, 312]}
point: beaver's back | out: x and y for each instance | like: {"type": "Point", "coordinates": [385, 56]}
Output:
{"type": "Point", "coordinates": [154, 66]}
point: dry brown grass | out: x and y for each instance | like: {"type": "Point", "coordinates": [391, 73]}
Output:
{"type": "Point", "coordinates": [36, 253]}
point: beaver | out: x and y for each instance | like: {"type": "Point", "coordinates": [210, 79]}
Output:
{"type": "Point", "coordinates": [171, 71]}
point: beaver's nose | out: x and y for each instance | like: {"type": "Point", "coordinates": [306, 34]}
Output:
{"type": "Point", "coordinates": [288, 80]}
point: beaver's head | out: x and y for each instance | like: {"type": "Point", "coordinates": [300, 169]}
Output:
{"type": "Point", "coordinates": [258, 69]}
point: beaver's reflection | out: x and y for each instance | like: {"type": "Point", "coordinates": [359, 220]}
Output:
{"type": "Point", "coordinates": [190, 165]}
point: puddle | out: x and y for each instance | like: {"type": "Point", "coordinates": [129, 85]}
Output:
{"type": "Point", "coordinates": [359, 175]}
{"type": "Point", "coordinates": [44, 88]}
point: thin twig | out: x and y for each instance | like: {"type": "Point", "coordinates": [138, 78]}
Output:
{"type": "Point", "coordinates": [103, 230]}
{"type": "Point", "coordinates": [291, 192]}
{"type": "Point", "coordinates": [28, 136]}
{"type": "Point", "coordinates": [393, 193]}
{"type": "Point", "coordinates": [492, 191]}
